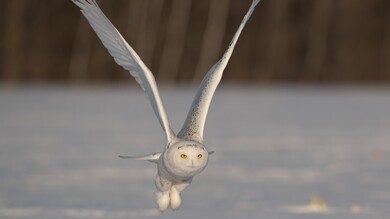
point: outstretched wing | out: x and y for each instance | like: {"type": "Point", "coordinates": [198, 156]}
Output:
{"type": "Point", "coordinates": [126, 57]}
{"type": "Point", "coordinates": [194, 124]}
{"type": "Point", "coordinates": [151, 157]}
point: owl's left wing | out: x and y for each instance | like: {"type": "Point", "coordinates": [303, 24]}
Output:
{"type": "Point", "coordinates": [194, 124]}
{"type": "Point", "coordinates": [126, 57]}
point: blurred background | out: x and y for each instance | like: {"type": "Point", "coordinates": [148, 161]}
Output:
{"type": "Point", "coordinates": [295, 127]}
{"type": "Point", "coordinates": [285, 41]}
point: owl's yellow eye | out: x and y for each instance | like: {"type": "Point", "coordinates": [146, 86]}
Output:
{"type": "Point", "coordinates": [183, 156]}
{"type": "Point", "coordinates": [200, 156]}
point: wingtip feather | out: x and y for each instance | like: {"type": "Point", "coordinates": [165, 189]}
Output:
{"type": "Point", "coordinates": [85, 4]}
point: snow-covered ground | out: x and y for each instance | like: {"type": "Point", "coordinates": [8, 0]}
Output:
{"type": "Point", "coordinates": [281, 152]}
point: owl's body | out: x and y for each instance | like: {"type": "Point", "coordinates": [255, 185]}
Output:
{"type": "Point", "coordinates": [185, 155]}
{"type": "Point", "coordinates": [176, 166]}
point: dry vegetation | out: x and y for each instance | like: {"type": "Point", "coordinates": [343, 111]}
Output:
{"type": "Point", "coordinates": [286, 40]}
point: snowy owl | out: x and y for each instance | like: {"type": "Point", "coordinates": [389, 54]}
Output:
{"type": "Point", "coordinates": [185, 155]}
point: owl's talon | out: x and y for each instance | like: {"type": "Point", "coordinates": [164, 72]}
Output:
{"type": "Point", "coordinates": [175, 199]}
{"type": "Point", "coordinates": [162, 200]}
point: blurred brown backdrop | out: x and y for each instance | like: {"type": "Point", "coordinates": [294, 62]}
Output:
{"type": "Point", "coordinates": [285, 40]}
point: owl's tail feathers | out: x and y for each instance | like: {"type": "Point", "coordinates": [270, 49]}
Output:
{"type": "Point", "coordinates": [151, 157]}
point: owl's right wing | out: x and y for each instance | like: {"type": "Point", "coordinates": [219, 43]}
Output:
{"type": "Point", "coordinates": [196, 118]}
{"type": "Point", "coordinates": [126, 57]}
{"type": "Point", "coordinates": [151, 157]}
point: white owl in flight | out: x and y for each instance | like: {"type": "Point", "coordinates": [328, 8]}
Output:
{"type": "Point", "coordinates": [185, 155]}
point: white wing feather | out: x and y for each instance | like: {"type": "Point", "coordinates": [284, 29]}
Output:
{"type": "Point", "coordinates": [194, 124]}
{"type": "Point", "coordinates": [126, 57]}
{"type": "Point", "coordinates": [151, 157]}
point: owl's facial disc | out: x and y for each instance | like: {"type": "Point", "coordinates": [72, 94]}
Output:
{"type": "Point", "coordinates": [192, 155]}
{"type": "Point", "coordinates": [186, 159]}
{"type": "Point", "coordinates": [198, 156]}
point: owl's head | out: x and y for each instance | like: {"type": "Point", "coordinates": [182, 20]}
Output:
{"type": "Point", "coordinates": [185, 158]}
